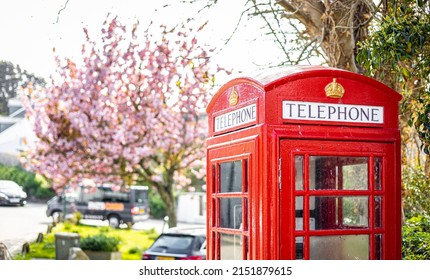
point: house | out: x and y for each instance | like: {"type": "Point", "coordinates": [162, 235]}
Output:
{"type": "Point", "coordinates": [16, 133]}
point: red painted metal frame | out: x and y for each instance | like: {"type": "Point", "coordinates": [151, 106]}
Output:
{"type": "Point", "coordinates": [291, 148]}
{"type": "Point", "coordinates": [244, 152]}
{"type": "Point", "coordinates": [260, 143]}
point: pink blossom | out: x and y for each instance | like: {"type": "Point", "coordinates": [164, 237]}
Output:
{"type": "Point", "coordinates": [130, 109]}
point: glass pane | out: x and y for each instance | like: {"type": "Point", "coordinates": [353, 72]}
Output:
{"type": "Point", "coordinates": [299, 212]}
{"type": "Point", "coordinates": [377, 170]}
{"type": "Point", "coordinates": [336, 212]}
{"type": "Point", "coordinates": [246, 218]}
{"type": "Point", "coordinates": [326, 212]}
{"type": "Point", "coordinates": [354, 177]}
{"type": "Point", "coordinates": [214, 208]}
{"type": "Point", "coordinates": [231, 247]}
{"type": "Point", "coordinates": [231, 213]}
{"type": "Point", "coordinates": [245, 185]}
{"type": "Point", "coordinates": [355, 211]}
{"type": "Point", "coordinates": [246, 247]}
{"type": "Point", "coordinates": [339, 247]}
{"type": "Point", "coordinates": [88, 194]}
{"type": "Point", "coordinates": [141, 196]}
{"type": "Point", "coordinates": [378, 246]}
{"type": "Point", "coordinates": [214, 254]}
{"type": "Point", "coordinates": [299, 248]}
{"type": "Point", "coordinates": [214, 179]}
{"type": "Point", "coordinates": [299, 162]}
{"type": "Point", "coordinates": [378, 211]}
{"type": "Point", "coordinates": [338, 173]}
{"type": "Point", "coordinates": [231, 176]}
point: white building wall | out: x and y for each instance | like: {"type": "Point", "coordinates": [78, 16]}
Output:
{"type": "Point", "coordinates": [17, 138]}
{"type": "Point", "coordinates": [191, 208]}
{"type": "Point", "coordinates": [16, 134]}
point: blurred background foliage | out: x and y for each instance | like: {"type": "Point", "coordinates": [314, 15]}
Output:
{"type": "Point", "coordinates": [36, 187]}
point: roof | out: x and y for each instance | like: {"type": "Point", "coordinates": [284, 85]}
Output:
{"type": "Point", "coordinates": [271, 78]}
{"type": "Point", "coordinates": [268, 76]}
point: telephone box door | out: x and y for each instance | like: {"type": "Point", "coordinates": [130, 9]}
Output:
{"type": "Point", "coordinates": [335, 198]}
{"type": "Point", "coordinates": [232, 178]}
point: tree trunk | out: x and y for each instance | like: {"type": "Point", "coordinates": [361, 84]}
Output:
{"type": "Point", "coordinates": [336, 25]}
{"type": "Point", "coordinates": [427, 166]}
{"type": "Point", "coordinates": [169, 200]}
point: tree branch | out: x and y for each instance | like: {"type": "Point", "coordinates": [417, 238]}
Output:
{"type": "Point", "coordinates": [62, 9]}
{"type": "Point", "coordinates": [308, 13]}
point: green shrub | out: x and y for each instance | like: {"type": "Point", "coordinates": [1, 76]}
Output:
{"type": "Point", "coordinates": [135, 250]}
{"type": "Point", "coordinates": [100, 242]}
{"type": "Point", "coordinates": [67, 226]}
{"type": "Point", "coordinates": [105, 229]}
{"type": "Point", "coordinates": [416, 206]}
{"type": "Point", "coordinates": [78, 217]}
{"type": "Point", "coordinates": [151, 233]}
{"type": "Point", "coordinates": [158, 209]}
{"type": "Point", "coordinates": [416, 196]}
{"type": "Point", "coordinates": [416, 238]}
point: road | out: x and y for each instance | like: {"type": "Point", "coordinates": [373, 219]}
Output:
{"type": "Point", "coordinates": [21, 224]}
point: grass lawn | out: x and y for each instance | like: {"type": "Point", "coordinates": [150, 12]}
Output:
{"type": "Point", "coordinates": [132, 242]}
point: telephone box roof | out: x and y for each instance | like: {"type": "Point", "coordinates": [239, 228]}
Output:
{"type": "Point", "coordinates": [274, 77]}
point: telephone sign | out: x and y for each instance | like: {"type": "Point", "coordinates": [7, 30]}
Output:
{"type": "Point", "coordinates": [295, 110]}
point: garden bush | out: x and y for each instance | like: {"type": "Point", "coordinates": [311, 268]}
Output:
{"type": "Point", "coordinates": [416, 206]}
{"type": "Point", "coordinates": [100, 243]}
{"type": "Point", "coordinates": [416, 192]}
{"type": "Point", "coordinates": [416, 238]}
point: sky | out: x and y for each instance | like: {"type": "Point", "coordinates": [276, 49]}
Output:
{"type": "Point", "coordinates": [31, 29]}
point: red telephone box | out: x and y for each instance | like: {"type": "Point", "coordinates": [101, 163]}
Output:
{"type": "Point", "coordinates": [304, 163]}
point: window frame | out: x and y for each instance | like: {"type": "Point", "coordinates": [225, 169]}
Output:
{"type": "Point", "coordinates": [217, 196]}
{"type": "Point", "coordinates": [371, 193]}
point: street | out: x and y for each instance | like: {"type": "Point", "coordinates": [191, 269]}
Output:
{"type": "Point", "coordinates": [21, 224]}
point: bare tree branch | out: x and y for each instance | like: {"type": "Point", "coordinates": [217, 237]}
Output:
{"type": "Point", "coordinates": [62, 9]}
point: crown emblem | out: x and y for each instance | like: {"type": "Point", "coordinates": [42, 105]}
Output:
{"type": "Point", "coordinates": [334, 90]}
{"type": "Point", "coordinates": [233, 98]}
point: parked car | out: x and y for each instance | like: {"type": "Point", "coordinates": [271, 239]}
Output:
{"type": "Point", "coordinates": [11, 193]}
{"type": "Point", "coordinates": [178, 244]}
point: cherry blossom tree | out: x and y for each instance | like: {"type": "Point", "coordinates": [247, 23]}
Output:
{"type": "Point", "coordinates": [131, 111]}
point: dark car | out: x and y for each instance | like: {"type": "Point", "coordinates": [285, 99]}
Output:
{"type": "Point", "coordinates": [178, 244]}
{"type": "Point", "coordinates": [11, 193]}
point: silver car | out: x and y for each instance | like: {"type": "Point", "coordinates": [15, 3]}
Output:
{"type": "Point", "coordinates": [11, 193]}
